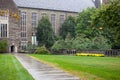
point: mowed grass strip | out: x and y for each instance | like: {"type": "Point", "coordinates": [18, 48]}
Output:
{"type": "Point", "coordinates": [88, 68]}
{"type": "Point", "coordinates": [11, 69]}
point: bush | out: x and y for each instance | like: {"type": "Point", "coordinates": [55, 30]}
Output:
{"type": "Point", "coordinates": [81, 42]}
{"type": "Point", "coordinates": [59, 45]}
{"type": "Point", "coordinates": [90, 54]}
{"type": "Point", "coordinates": [101, 43]}
{"type": "Point", "coordinates": [42, 50]}
{"type": "Point", "coordinates": [3, 46]}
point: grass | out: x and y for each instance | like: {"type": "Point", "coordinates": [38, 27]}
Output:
{"type": "Point", "coordinates": [11, 69]}
{"type": "Point", "coordinates": [87, 68]}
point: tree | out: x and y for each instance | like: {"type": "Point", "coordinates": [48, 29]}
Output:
{"type": "Point", "coordinates": [68, 27]}
{"type": "Point", "coordinates": [63, 44]}
{"type": "Point", "coordinates": [45, 34]}
{"type": "Point", "coordinates": [42, 50]}
{"type": "Point", "coordinates": [100, 42]}
{"type": "Point", "coordinates": [81, 42]}
{"type": "Point", "coordinates": [84, 22]}
{"type": "Point", "coordinates": [59, 45]}
{"type": "Point", "coordinates": [108, 16]}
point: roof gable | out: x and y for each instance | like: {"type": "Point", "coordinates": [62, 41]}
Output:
{"type": "Point", "coordinates": [8, 4]}
{"type": "Point", "coordinates": [62, 5]}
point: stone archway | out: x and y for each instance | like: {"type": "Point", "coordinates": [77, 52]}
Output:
{"type": "Point", "coordinates": [12, 48]}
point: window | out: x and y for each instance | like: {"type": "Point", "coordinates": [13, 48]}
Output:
{"type": "Point", "coordinates": [23, 18]}
{"type": "Point", "coordinates": [62, 18]}
{"type": "Point", "coordinates": [53, 22]}
{"type": "Point", "coordinates": [23, 25]}
{"type": "Point", "coordinates": [4, 23]}
{"type": "Point", "coordinates": [23, 45]}
{"type": "Point", "coordinates": [5, 15]}
{"type": "Point", "coordinates": [43, 14]}
{"type": "Point", "coordinates": [23, 34]}
{"type": "Point", "coordinates": [34, 19]}
{"type": "Point", "coordinates": [3, 30]}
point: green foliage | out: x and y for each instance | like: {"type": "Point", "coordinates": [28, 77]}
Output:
{"type": "Point", "coordinates": [59, 45]}
{"type": "Point", "coordinates": [63, 44]}
{"type": "Point", "coordinates": [30, 48]}
{"type": "Point", "coordinates": [68, 41]}
{"type": "Point", "coordinates": [100, 42]}
{"type": "Point", "coordinates": [68, 27]}
{"type": "Point", "coordinates": [108, 16]}
{"type": "Point", "coordinates": [3, 46]}
{"type": "Point", "coordinates": [81, 42]}
{"type": "Point", "coordinates": [45, 34]}
{"type": "Point", "coordinates": [84, 22]}
{"type": "Point", "coordinates": [42, 50]}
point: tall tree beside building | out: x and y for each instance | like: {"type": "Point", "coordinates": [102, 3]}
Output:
{"type": "Point", "coordinates": [84, 23]}
{"type": "Point", "coordinates": [45, 34]}
{"type": "Point", "coordinates": [68, 27]}
{"type": "Point", "coordinates": [108, 16]}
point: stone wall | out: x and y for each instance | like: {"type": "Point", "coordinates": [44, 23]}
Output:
{"type": "Point", "coordinates": [14, 29]}
{"type": "Point", "coordinates": [39, 12]}
{"type": "Point", "coordinates": [13, 24]}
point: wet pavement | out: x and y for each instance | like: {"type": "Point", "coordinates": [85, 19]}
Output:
{"type": "Point", "coordinates": [42, 71]}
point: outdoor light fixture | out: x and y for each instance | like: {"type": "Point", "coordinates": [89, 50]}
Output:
{"type": "Point", "coordinates": [100, 28]}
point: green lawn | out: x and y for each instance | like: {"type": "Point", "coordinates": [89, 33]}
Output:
{"type": "Point", "coordinates": [88, 68]}
{"type": "Point", "coordinates": [11, 69]}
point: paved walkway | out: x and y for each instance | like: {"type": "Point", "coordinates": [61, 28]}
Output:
{"type": "Point", "coordinates": [41, 71]}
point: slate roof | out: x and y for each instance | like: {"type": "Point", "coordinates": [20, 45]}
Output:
{"type": "Point", "coordinates": [8, 4]}
{"type": "Point", "coordinates": [62, 5]}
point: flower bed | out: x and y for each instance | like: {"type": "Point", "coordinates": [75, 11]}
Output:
{"type": "Point", "coordinates": [90, 54]}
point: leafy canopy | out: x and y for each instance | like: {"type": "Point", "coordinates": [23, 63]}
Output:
{"type": "Point", "coordinates": [68, 27]}
{"type": "Point", "coordinates": [108, 17]}
{"type": "Point", "coordinates": [45, 34]}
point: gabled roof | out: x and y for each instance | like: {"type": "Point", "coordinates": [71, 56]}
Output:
{"type": "Point", "coordinates": [62, 5]}
{"type": "Point", "coordinates": [8, 4]}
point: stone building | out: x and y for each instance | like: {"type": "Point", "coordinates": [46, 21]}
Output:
{"type": "Point", "coordinates": [9, 25]}
{"type": "Point", "coordinates": [20, 32]}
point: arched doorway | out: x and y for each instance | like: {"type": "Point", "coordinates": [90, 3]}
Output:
{"type": "Point", "coordinates": [12, 48]}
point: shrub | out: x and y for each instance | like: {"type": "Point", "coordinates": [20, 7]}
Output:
{"type": "Point", "coordinates": [3, 46]}
{"type": "Point", "coordinates": [101, 43]}
{"type": "Point", "coordinates": [81, 42]}
{"type": "Point", "coordinates": [59, 45]}
{"type": "Point", "coordinates": [90, 54]}
{"type": "Point", "coordinates": [42, 50]}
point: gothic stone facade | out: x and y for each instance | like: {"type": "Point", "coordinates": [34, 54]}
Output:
{"type": "Point", "coordinates": [9, 26]}
{"type": "Point", "coordinates": [20, 32]}
{"type": "Point", "coordinates": [33, 16]}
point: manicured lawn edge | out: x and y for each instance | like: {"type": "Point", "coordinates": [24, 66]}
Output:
{"type": "Point", "coordinates": [12, 69]}
{"type": "Point", "coordinates": [89, 68]}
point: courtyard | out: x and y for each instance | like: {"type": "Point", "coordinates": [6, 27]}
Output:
{"type": "Point", "coordinates": [52, 40]}
{"type": "Point", "coordinates": [84, 67]}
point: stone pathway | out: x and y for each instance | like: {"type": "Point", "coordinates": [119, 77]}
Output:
{"type": "Point", "coordinates": [42, 71]}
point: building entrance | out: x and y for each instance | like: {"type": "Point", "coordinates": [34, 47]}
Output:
{"type": "Point", "coordinates": [12, 48]}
